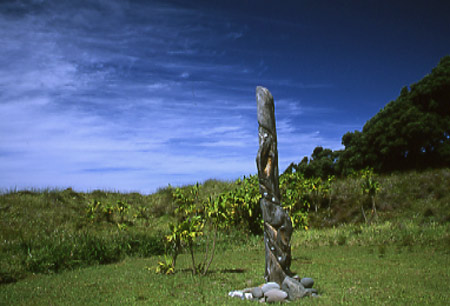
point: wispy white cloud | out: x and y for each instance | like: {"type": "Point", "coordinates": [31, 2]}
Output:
{"type": "Point", "coordinates": [131, 100]}
{"type": "Point", "coordinates": [235, 35]}
{"type": "Point", "coordinates": [185, 75]}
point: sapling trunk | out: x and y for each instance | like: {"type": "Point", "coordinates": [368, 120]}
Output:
{"type": "Point", "coordinates": [363, 213]}
{"type": "Point", "coordinates": [212, 251]}
{"type": "Point", "coordinates": [374, 207]}
{"type": "Point", "coordinates": [174, 260]}
{"type": "Point", "coordinates": [205, 258]}
{"type": "Point", "coordinates": [191, 249]}
{"type": "Point", "coordinates": [329, 203]}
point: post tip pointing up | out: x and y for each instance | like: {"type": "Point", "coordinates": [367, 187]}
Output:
{"type": "Point", "coordinates": [261, 88]}
{"type": "Point", "coordinates": [262, 92]}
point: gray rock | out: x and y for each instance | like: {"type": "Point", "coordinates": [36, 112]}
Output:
{"type": "Point", "coordinates": [294, 288]}
{"type": "Point", "coordinates": [310, 291]}
{"type": "Point", "coordinates": [307, 282]}
{"type": "Point", "coordinates": [269, 286]}
{"type": "Point", "coordinates": [247, 290]}
{"type": "Point", "coordinates": [257, 292]}
{"type": "Point", "coordinates": [275, 295]}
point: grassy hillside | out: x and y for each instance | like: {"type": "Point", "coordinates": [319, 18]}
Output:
{"type": "Point", "coordinates": [420, 196]}
{"type": "Point", "coordinates": [59, 231]}
{"type": "Point", "coordinates": [46, 231]}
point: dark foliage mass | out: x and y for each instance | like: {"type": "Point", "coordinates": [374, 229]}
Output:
{"type": "Point", "coordinates": [412, 132]}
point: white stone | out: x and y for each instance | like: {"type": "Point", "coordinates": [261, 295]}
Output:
{"type": "Point", "coordinates": [257, 292]}
{"type": "Point", "coordinates": [275, 295]}
{"type": "Point", "coordinates": [269, 286]}
{"type": "Point", "coordinates": [238, 294]}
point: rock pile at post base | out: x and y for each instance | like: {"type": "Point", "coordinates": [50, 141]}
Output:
{"type": "Point", "coordinates": [291, 289]}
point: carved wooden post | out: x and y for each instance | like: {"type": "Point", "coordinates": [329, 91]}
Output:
{"type": "Point", "coordinates": [277, 223]}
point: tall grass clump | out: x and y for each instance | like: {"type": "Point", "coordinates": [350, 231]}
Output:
{"type": "Point", "coordinates": [405, 233]}
{"type": "Point", "coordinates": [52, 230]}
{"type": "Point", "coordinates": [421, 196]}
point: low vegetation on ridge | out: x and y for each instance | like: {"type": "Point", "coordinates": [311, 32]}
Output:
{"type": "Point", "coordinates": [52, 230]}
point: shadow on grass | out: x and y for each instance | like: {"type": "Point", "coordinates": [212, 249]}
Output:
{"type": "Point", "coordinates": [225, 271]}
{"type": "Point", "coordinates": [302, 259]}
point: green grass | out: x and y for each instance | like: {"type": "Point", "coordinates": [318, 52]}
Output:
{"type": "Point", "coordinates": [345, 274]}
{"type": "Point", "coordinates": [51, 230]}
{"type": "Point", "coordinates": [52, 251]}
{"type": "Point", "coordinates": [422, 196]}
{"type": "Point", "coordinates": [403, 234]}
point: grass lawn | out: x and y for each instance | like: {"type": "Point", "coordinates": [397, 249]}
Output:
{"type": "Point", "coordinates": [344, 275]}
{"type": "Point", "coordinates": [85, 250]}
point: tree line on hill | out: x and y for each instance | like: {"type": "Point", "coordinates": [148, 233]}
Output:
{"type": "Point", "coordinates": [412, 132]}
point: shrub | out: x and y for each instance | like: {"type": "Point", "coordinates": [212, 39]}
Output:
{"type": "Point", "coordinates": [64, 250]}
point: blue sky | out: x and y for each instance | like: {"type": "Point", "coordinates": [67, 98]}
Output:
{"type": "Point", "coordinates": [134, 95]}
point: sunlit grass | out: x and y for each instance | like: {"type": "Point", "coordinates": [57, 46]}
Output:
{"type": "Point", "coordinates": [343, 274]}
{"type": "Point", "coordinates": [51, 247]}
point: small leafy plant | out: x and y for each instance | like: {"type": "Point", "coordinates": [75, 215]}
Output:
{"type": "Point", "coordinates": [195, 218]}
{"type": "Point", "coordinates": [188, 227]}
{"type": "Point", "coordinates": [92, 209]}
{"type": "Point", "coordinates": [370, 188]}
{"type": "Point", "coordinates": [166, 267]}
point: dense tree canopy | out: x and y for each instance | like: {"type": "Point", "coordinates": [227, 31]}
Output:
{"type": "Point", "coordinates": [412, 132]}
{"type": "Point", "coordinates": [322, 164]}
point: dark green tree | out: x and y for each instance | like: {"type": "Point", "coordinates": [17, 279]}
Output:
{"type": "Point", "coordinates": [411, 132]}
{"type": "Point", "coordinates": [322, 164]}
